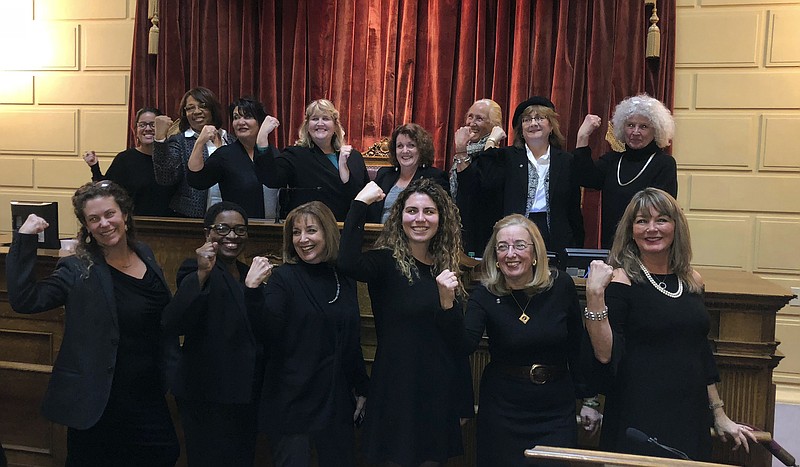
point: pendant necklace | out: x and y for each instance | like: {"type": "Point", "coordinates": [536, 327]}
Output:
{"type": "Point", "coordinates": [523, 317]}
{"type": "Point", "coordinates": [619, 164]}
{"type": "Point", "coordinates": [661, 286]}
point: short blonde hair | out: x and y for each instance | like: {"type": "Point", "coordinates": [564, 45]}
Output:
{"type": "Point", "coordinates": [495, 112]}
{"type": "Point", "coordinates": [324, 107]}
{"type": "Point", "coordinates": [494, 280]}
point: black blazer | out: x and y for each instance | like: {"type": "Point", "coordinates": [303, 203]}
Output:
{"type": "Point", "coordinates": [310, 176]}
{"type": "Point", "coordinates": [220, 360]}
{"type": "Point", "coordinates": [503, 174]}
{"type": "Point", "coordinates": [387, 177]}
{"type": "Point", "coordinates": [84, 369]}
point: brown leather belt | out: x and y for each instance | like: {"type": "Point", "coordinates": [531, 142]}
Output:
{"type": "Point", "coordinates": [537, 373]}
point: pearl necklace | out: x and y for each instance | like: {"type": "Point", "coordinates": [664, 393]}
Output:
{"type": "Point", "coordinates": [659, 287]}
{"type": "Point", "coordinates": [619, 164]}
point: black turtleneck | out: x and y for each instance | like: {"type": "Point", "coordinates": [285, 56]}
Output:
{"type": "Point", "coordinates": [661, 172]}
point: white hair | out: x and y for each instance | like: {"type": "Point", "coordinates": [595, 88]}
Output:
{"type": "Point", "coordinates": [650, 108]}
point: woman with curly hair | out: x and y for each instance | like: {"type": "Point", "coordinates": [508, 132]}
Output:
{"type": "Point", "coordinates": [411, 155]}
{"type": "Point", "coordinates": [646, 127]}
{"type": "Point", "coordinates": [108, 381]}
{"type": "Point", "coordinates": [319, 167]}
{"type": "Point", "coordinates": [418, 382]}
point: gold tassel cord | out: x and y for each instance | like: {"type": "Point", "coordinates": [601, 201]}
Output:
{"type": "Point", "coordinates": [152, 38]}
{"type": "Point", "coordinates": [653, 36]}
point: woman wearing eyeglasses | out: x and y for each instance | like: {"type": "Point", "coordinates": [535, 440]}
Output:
{"type": "Point", "coordinates": [133, 169]}
{"type": "Point", "coordinates": [199, 109]}
{"type": "Point", "coordinates": [533, 177]}
{"type": "Point", "coordinates": [218, 379]}
{"type": "Point", "coordinates": [109, 378]}
{"type": "Point", "coordinates": [531, 314]}
{"type": "Point", "coordinates": [316, 382]}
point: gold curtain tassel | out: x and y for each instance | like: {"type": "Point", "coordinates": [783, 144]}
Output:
{"type": "Point", "coordinates": [653, 36]}
{"type": "Point", "coordinates": [152, 38]}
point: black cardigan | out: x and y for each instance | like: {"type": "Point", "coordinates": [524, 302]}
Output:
{"type": "Point", "coordinates": [387, 177]}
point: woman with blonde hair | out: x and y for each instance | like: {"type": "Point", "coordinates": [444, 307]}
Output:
{"type": "Point", "coordinates": [649, 329]}
{"type": "Point", "coordinates": [419, 386]}
{"type": "Point", "coordinates": [531, 315]}
{"type": "Point", "coordinates": [319, 167]}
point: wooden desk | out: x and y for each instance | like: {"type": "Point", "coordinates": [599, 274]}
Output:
{"type": "Point", "coordinates": [742, 308]}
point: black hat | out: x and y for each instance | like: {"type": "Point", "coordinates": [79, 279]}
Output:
{"type": "Point", "coordinates": [535, 100]}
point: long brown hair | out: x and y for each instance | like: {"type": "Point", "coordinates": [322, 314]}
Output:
{"type": "Point", "coordinates": [327, 222]}
{"type": "Point", "coordinates": [445, 246]}
{"type": "Point", "coordinates": [625, 252]}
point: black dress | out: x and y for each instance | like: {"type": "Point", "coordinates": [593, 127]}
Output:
{"type": "Point", "coordinates": [418, 380]}
{"type": "Point", "coordinates": [515, 414]}
{"type": "Point", "coordinates": [308, 318]}
{"type": "Point", "coordinates": [662, 172]}
{"type": "Point", "coordinates": [136, 426]}
{"type": "Point", "coordinates": [660, 368]}
{"type": "Point", "coordinates": [133, 170]}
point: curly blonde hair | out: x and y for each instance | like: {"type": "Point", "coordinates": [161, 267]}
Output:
{"type": "Point", "coordinates": [323, 107]}
{"type": "Point", "coordinates": [445, 246]}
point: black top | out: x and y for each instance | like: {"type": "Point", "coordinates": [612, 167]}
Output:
{"type": "Point", "coordinates": [315, 362]}
{"type": "Point", "coordinates": [310, 176]}
{"type": "Point", "coordinates": [516, 414]}
{"type": "Point", "coordinates": [662, 172]}
{"type": "Point", "coordinates": [661, 352]}
{"type": "Point", "coordinates": [418, 380]}
{"type": "Point", "coordinates": [139, 306]}
{"type": "Point", "coordinates": [80, 384]}
{"type": "Point", "coordinates": [133, 170]}
{"type": "Point", "coordinates": [231, 167]}
{"type": "Point", "coordinates": [388, 176]}
{"type": "Point", "coordinates": [499, 177]}
{"type": "Point", "coordinates": [220, 359]}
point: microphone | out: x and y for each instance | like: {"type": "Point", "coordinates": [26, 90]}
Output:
{"type": "Point", "coordinates": [639, 437]}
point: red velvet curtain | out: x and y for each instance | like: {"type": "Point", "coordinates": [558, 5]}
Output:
{"type": "Point", "coordinates": [387, 62]}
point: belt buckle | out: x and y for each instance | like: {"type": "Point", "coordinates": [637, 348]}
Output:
{"type": "Point", "coordinates": [539, 374]}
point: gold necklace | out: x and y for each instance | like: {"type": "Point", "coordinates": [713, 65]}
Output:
{"type": "Point", "coordinates": [523, 317]}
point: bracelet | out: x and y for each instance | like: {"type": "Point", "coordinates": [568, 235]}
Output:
{"type": "Point", "coordinates": [716, 405]}
{"type": "Point", "coordinates": [595, 315]}
{"type": "Point", "coordinates": [591, 402]}
{"type": "Point", "coordinates": [462, 160]}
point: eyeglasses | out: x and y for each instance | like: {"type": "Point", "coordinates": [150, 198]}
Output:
{"type": "Point", "coordinates": [536, 118]}
{"type": "Point", "coordinates": [504, 247]}
{"type": "Point", "coordinates": [225, 229]}
{"type": "Point", "coordinates": [191, 108]}
{"type": "Point", "coordinates": [143, 125]}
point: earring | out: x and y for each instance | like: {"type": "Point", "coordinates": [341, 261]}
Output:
{"type": "Point", "coordinates": [126, 229]}
{"type": "Point", "coordinates": [533, 263]}
{"type": "Point", "coordinates": [88, 239]}
{"type": "Point", "coordinates": [497, 264]}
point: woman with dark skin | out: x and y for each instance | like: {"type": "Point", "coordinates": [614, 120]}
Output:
{"type": "Point", "coordinates": [199, 107]}
{"type": "Point", "coordinates": [109, 379]}
{"type": "Point", "coordinates": [133, 169]}
{"type": "Point", "coordinates": [316, 381]}
{"type": "Point", "coordinates": [420, 386]}
{"type": "Point", "coordinates": [218, 380]}
{"type": "Point", "coordinates": [411, 156]}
